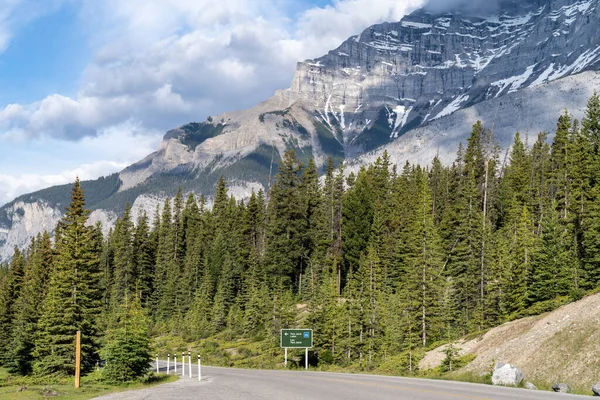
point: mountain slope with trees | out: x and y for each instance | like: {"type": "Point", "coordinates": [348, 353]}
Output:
{"type": "Point", "coordinates": [386, 262]}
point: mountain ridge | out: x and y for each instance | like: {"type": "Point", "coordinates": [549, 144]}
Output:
{"type": "Point", "coordinates": [387, 88]}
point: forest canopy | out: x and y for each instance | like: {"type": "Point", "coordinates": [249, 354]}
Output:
{"type": "Point", "coordinates": [387, 260]}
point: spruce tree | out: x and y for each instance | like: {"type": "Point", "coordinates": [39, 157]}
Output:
{"type": "Point", "coordinates": [127, 349]}
{"type": "Point", "coordinates": [9, 295]}
{"type": "Point", "coordinates": [28, 306]}
{"type": "Point", "coordinates": [285, 246]}
{"type": "Point", "coordinates": [555, 267]}
{"type": "Point", "coordinates": [124, 270]}
{"type": "Point", "coordinates": [74, 301]}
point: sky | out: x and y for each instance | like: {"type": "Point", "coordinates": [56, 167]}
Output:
{"type": "Point", "coordinates": [88, 87]}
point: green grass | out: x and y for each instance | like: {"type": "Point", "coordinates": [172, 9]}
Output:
{"type": "Point", "coordinates": [17, 388]}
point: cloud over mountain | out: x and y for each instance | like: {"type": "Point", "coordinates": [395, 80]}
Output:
{"type": "Point", "coordinates": [161, 63]}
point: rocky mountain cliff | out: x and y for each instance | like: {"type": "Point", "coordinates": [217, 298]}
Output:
{"type": "Point", "coordinates": [412, 87]}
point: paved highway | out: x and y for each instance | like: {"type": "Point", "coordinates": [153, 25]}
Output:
{"type": "Point", "coordinates": [242, 384]}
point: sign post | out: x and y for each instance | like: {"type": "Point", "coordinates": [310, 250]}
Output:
{"type": "Point", "coordinates": [77, 358]}
{"type": "Point", "coordinates": [297, 339]}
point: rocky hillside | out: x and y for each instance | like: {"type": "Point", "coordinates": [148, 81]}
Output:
{"type": "Point", "coordinates": [412, 87]}
{"type": "Point", "coordinates": [561, 346]}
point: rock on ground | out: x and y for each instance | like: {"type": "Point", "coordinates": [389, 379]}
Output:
{"type": "Point", "coordinates": [561, 388]}
{"type": "Point", "coordinates": [596, 389]}
{"type": "Point", "coordinates": [530, 386]}
{"type": "Point", "coordinates": [507, 375]}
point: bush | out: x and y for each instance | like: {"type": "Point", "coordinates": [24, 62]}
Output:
{"type": "Point", "coordinates": [450, 362]}
{"type": "Point", "coordinates": [325, 357]}
{"type": "Point", "coordinates": [127, 351]}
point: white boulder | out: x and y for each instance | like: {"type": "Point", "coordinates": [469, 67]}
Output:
{"type": "Point", "coordinates": [507, 375]}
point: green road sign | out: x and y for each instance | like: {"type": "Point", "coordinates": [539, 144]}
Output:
{"type": "Point", "coordinates": [297, 338]}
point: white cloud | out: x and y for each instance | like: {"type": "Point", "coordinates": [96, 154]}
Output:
{"type": "Point", "coordinates": [13, 186]}
{"type": "Point", "coordinates": [161, 63]}
{"type": "Point", "coordinates": [14, 14]}
{"type": "Point", "coordinates": [166, 62]}
{"type": "Point", "coordinates": [61, 161]}
{"type": "Point", "coordinates": [324, 28]}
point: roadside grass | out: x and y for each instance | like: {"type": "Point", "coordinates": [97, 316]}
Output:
{"type": "Point", "coordinates": [546, 386]}
{"type": "Point", "coordinates": [262, 353]}
{"type": "Point", "coordinates": [29, 388]}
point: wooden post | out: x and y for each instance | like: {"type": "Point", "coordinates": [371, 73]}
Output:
{"type": "Point", "coordinates": [77, 358]}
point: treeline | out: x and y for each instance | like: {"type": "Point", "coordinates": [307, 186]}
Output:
{"type": "Point", "coordinates": [386, 261]}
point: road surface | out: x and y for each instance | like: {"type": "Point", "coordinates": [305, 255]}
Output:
{"type": "Point", "coordinates": [243, 384]}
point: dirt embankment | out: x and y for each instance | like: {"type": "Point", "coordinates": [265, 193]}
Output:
{"type": "Point", "coordinates": [561, 346]}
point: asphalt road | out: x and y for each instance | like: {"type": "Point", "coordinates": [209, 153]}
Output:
{"type": "Point", "coordinates": [242, 384]}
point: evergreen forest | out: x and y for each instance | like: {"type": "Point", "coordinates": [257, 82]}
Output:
{"type": "Point", "coordinates": [386, 261]}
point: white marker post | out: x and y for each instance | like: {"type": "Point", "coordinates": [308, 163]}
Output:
{"type": "Point", "coordinates": [168, 363]}
{"type": "Point", "coordinates": [285, 357]}
{"type": "Point", "coordinates": [183, 365]}
{"type": "Point", "coordinates": [199, 369]}
{"type": "Point", "coordinates": [190, 363]}
{"type": "Point", "coordinates": [306, 359]}
{"type": "Point", "coordinates": [175, 362]}
{"type": "Point", "coordinates": [157, 368]}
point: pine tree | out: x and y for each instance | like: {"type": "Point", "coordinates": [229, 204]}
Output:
{"type": "Point", "coordinates": [285, 251]}
{"type": "Point", "coordinates": [555, 267]}
{"type": "Point", "coordinates": [199, 316]}
{"type": "Point", "coordinates": [590, 242]}
{"type": "Point", "coordinates": [523, 251]}
{"type": "Point", "coordinates": [256, 296]}
{"type": "Point", "coordinates": [561, 165]}
{"type": "Point", "coordinates": [124, 270]}
{"type": "Point", "coordinates": [357, 220]}
{"type": "Point", "coordinates": [127, 350]}
{"type": "Point", "coordinates": [9, 295]}
{"type": "Point", "coordinates": [74, 301]}
{"type": "Point", "coordinates": [28, 306]}
{"type": "Point", "coordinates": [144, 260]}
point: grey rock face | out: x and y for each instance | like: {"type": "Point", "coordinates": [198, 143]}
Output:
{"type": "Point", "coordinates": [441, 137]}
{"type": "Point", "coordinates": [530, 386]}
{"type": "Point", "coordinates": [413, 87]}
{"type": "Point", "coordinates": [507, 375]}
{"type": "Point", "coordinates": [561, 388]}
{"type": "Point", "coordinates": [430, 65]}
{"type": "Point", "coordinates": [596, 389]}
{"type": "Point", "coordinates": [394, 78]}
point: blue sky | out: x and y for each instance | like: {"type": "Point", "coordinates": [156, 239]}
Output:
{"type": "Point", "coordinates": [33, 66]}
{"type": "Point", "coordinates": [89, 86]}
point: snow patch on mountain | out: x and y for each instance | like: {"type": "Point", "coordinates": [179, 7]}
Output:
{"type": "Point", "coordinates": [538, 109]}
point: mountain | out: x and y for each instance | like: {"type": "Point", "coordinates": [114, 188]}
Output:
{"type": "Point", "coordinates": [411, 87]}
